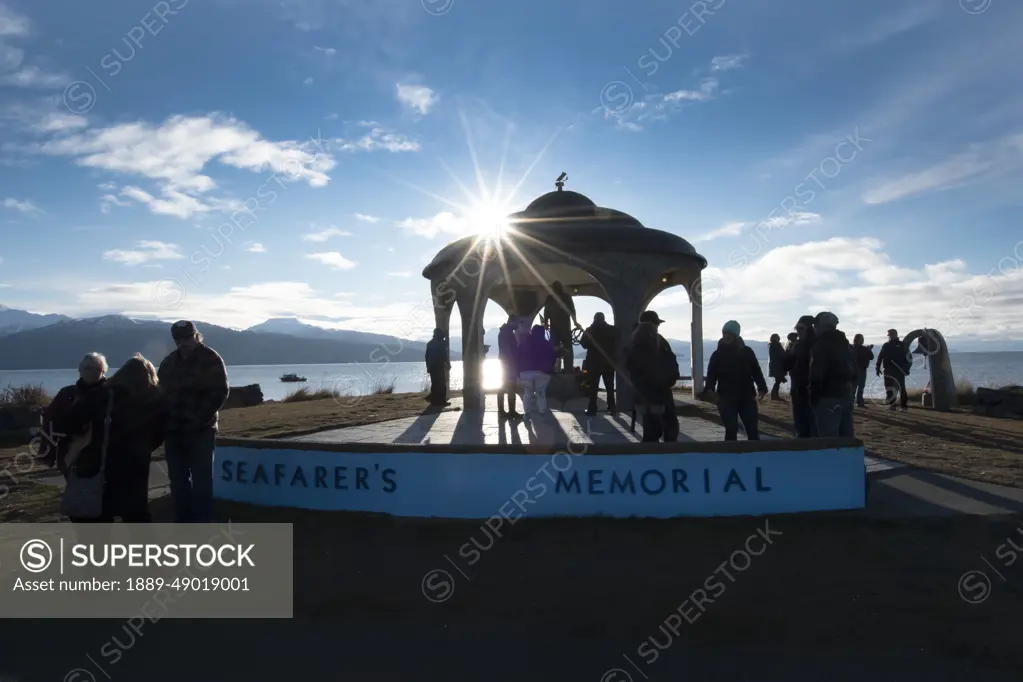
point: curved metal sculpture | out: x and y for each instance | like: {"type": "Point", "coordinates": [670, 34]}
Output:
{"type": "Point", "coordinates": [932, 344]}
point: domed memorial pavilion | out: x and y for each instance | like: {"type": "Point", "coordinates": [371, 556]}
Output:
{"type": "Point", "coordinates": [564, 237]}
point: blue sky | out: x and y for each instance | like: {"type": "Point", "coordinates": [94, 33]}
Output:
{"type": "Point", "coordinates": [860, 156]}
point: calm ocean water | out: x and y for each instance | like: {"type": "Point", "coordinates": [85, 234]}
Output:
{"type": "Point", "coordinates": [981, 369]}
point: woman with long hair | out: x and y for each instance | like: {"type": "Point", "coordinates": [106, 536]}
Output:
{"type": "Point", "coordinates": [121, 449]}
{"type": "Point", "coordinates": [652, 374]}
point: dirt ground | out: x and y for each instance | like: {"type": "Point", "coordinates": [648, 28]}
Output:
{"type": "Point", "coordinates": [959, 443]}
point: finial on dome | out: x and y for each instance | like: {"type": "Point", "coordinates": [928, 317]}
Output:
{"type": "Point", "coordinates": [560, 182]}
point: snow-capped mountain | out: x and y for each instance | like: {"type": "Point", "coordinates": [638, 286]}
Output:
{"type": "Point", "coordinates": [12, 321]}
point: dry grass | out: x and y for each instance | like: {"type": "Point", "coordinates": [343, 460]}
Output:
{"type": "Point", "coordinates": [306, 394]}
{"type": "Point", "coordinates": [966, 394]}
{"type": "Point", "coordinates": [24, 396]}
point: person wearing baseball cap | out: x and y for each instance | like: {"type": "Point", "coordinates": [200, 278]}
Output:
{"type": "Point", "coordinates": [194, 382]}
{"type": "Point", "coordinates": [896, 361]}
{"type": "Point", "coordinates": [669, 420]}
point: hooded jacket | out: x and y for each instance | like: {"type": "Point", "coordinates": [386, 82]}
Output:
{"type": "Point", "coordinates": [536, 354]}
{"type": "Point", "coordinates": [798, 363]}
{"type": "Point", "coordinates": [734, 371]}
{"type": "Point", "coordinates": [832, 367]}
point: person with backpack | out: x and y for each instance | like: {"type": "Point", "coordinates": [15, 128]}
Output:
{"type": "Point", "coordinates": [831, 379]}
{"type": "Point", "coordinates": [127, 419]}
{"type": "Point", "coordinates": [652, 373]}
{"type": "Point", "coordinates": [54, 444]}
{"type": "Point", "coordinates": [734, 374]}
{"type": "Point", "coordinates": [776, 365]}
{"type": "Point", "coordinates": [896, 361]}
{"type": "Point", "coordinates": [863, 355]}
{"type": "Point", "coordinates": [798, 366]}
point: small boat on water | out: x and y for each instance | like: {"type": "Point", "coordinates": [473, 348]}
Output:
{"type": "Point", "coordinates": [292, 378]}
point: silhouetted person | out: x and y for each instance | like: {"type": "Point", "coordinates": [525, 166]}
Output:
{"type": "Point", "coordinates": [599, 340]}
{"type": "Point", "coordinates": [734, 374]}
{"type": "Point", "coordinates": [650, 371]}
{"type": "Point", "coordinates": [127, 419]}
{"type": "Point", "coordinates": [438, 363]}
{"type": "Point", "coordinates": [798, 366]}
{"type": "Point", "coordinates": [559, 317]}
{"type": "Point", "coordinates": [508, 353]}
{"type": "Point", "coordinates": [671, 362]}
{"type": "Point", "coordinates": [193, 379]}
{"type": "Point", "coordinates": [894, 358]}
{"type": "Point", "coordinates": [863, 355]}
{"type": "Point", "coordinates": [536, 365]}
{"type": "Point", "coordinates": [790, 343]}
{"type": "Point", "coordinates": [53, 444]}
{"type": "Point", "coordinates": [832, 378]}
{"type": "Point", "coordinates": [776, 365]}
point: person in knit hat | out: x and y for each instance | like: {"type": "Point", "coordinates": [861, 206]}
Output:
{"type": "Point", "coordinates": [734, 374]}
{"type": "Point", "coordinates": [798, 366]}
{"type": "Point", "coordinates": [832, 379]}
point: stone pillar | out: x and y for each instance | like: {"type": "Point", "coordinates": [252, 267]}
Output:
{"type": "Point", "coordinates": [627, 304]}
{"type": "Point", "coordinates": [442, 305]}
{"type": "Point", "coordinates": [470, 308]}
{"type": "Point", "coordinates": [696, 335]}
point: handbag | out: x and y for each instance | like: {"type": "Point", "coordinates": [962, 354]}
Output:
{"type": "Point", "coordinates": [83, 497]}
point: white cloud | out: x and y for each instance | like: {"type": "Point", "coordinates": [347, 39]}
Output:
{"type": "Point", "coordinates": [12, 23]}
{"type": "Point", "coordinates": [1003, 156]}
{"type": "Point", "coordinates": [376, 139]}
{"type": "Point", "coordinates": [61, 122]}
{"type": "Point", "coordinates": [860, 283]}
{"type": "Point", "coordinates": [734, 229]}
{"type": "Point", "coordinates": [399, 274]}
{"type": "Point", "coordinates": [144, 252]}
{"type": "Point", "coordinates": [334, 259]}
{"type": "Point", "coordinates": [418, 98]}
{"type": "Point", "coordinates": [10, 57]}
{"type": "Point", "coordinates": [329, 51]}
{"type": "Point", "coordinates": [34, 77]}
{"type": "Point", "coordinates": [174, 203]}
{"type": "Point", "coordinates": [21, 206]}
{"type": "Point", "coordinates": [727, 62]}
{"type": "Point", "coordinates": [255, 247]}
{"type": "Point", "coordinates": [444, 222]}
{"type": "Point", "coordinates": [325, 234]}
{"type": "Point", "coordinates": [107, 201]}
{"type": "Point", "coordinates": [707, 91]}
{"type": "Point", "coordinates": [366, 218]}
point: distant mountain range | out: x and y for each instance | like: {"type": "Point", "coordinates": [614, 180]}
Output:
{"type": "Point", "coordinates": [33, 341]}
{"type": "Point", "coordinates": [59, 342]}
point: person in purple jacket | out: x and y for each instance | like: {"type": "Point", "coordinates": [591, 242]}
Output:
{"type": "Point", "coordinates": [536, 365]}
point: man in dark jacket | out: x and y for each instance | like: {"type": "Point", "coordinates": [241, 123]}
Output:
{"type": "Point", "coordinates": [832, 376]}
{"type": "Point", "coordinates": [438, 363]}
{"type": "Point", "coordinates": [894, 359]}
{"type": "Point", "coordinates": [776, 365]}
{"type": "Point", "coordinates": [863, 355]}
{"type": "Point", "coordinates": [599, 342]}
{"type": "Point", "coordinates": [798, 366]}
{"type": "Point", "coordinates": [734, 374]}
{"type": "Point", "coordinates": [670, 361]}
{"type": "Point", "coordinates": [559, 317]}
{"type": "Point", "coordinates": [507, 352]}
{"type": "Point", "coordinates": [194, 383]}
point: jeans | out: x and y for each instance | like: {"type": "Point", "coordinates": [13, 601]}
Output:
{"type": "Point", "coordinates": [803, 418]}
{"type": "Point", "coordinates": [732, 410]}
{"type": "Point", "coordinates": [776, 388]}
{"type": "Point", "coordinates": [895, 385]}
{"type": "Point", "coordinates": [534, 391]}
{"type": "Point", "coordinates": [607, 375]}
{"type": "Point", "coordinates": [834, 417]}
{"type": "Point", "coordinates": [861, 383]}
{"type": "Point", "coordinates": [190, 469]}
